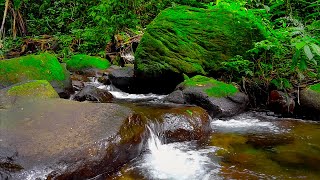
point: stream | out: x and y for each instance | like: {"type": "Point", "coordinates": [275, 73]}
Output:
{"type": "Point", "coordinates": [252, 145]}
{"type": "Point", "coordinates": [249, 146]}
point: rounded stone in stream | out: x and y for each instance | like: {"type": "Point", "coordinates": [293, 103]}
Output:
{"type": "Point", "coordinates": [310, 102]}
{"type": "Point", "coordinates": [72, 140]}
{"type": "Point", "coordinates": [91, 93]}
{"type": "Point", "coordinates": [123, 78]}
{"type": "Point", "coordinates": [68, 139]}
{"type": "Point", "coordinates": [178, 123]}
{"type": "Point", "coordinates": [218, 98]}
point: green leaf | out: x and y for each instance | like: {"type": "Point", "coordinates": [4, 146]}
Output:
{"type": "Point", "coordinates": [267, 8]}
{"type": "Point", "coordinates": [303, 64]}
{"type": "Point", "coordinates": [308, 52]}
{"type": "Point", "coordinates": [295, 59]}
{"type": "Point", "coordinates": [316, 48]}
{"type": "Point", "coordinates": [300, 45]}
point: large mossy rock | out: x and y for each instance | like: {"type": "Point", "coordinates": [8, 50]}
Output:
{"type": "Point", "coordinates": [218, 98]}
{"type": "Point", "coordinates": [310, 102]}
{"type": "Point", "coordinates": [35, 67]}
{"type": "Point", "coordinates": [193, 41]}
{"type": "Point", "coordinates": [82, 62]}
{"type": "Point", "coordinates": [37, 89]}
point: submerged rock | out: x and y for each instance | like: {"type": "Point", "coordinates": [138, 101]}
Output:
{"type": "Point", "coordinates": [36, 67]}
{"type": "Point", "coordinates": [91, 93]}
{"type": "Point", "coordinates": [218, 98]}
{"type": "Point", "coordinates": [172, 44]}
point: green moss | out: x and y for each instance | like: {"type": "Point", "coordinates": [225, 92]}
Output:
{"type": "Point", "coordinates": [32, 67]}
{"type": "Point", "coordinates": [80, 61]}
{"type": "Point", "coordinates": [39, 88]}
{"type": "Point", "coordinates": [315, 87]}
{"type": "Point", "coordinates": [194, 40]}
{"type": "Point", "coordinates": [211, 86]}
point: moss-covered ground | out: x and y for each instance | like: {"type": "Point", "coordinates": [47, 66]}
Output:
{"type": "Point", "coordinates": [81, 61]}
{"type": "Point", "coordinates": [191, 40]}
{"type": "Point", "coordinates": [39, 88]}
{"type": "Point", "coordinates": [32, 67]}
{"type": "Point", "coordinates": [211, 86]}
{"type": "Point", "coordinates": [315, 87]}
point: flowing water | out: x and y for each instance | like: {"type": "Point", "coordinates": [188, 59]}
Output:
{"type": "Point", "coordinates": [120, 95]}
{"type": "Point", "coordinates": [249, 146]}
{"type": "Point", "coordinates": [183, 160]}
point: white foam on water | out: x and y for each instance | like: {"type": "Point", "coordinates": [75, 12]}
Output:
{"type": "Point", "coordinates": [124, 95]}
{"type": "Point", "coordinates": [244, 123]}
{"type": "Point", "coordinates": [38, 173]}
{"type": "Point", "coordinates": [178, 161]}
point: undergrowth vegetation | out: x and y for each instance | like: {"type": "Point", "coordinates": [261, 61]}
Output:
{"type": "Point", "coordinates": [288, 57]}
{"type": "Point", "coordinates": [290, 54]}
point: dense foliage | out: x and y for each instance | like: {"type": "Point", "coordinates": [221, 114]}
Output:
{"type": "Point", "coordinates": [288, 57]}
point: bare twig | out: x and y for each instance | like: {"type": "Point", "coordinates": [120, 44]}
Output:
{"type": "Point", "coordinates": [4, 18]}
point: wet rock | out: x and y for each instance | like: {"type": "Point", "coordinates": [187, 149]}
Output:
{"type": "Point", "coordinates": [104, 80]}
{"type": "Point", "coordinates": [68, 139]}
{"type": "Point", "coordinates": [72, 140]}
{"type": "Point", "coordinates": [178, 123]}
{"type": "Point", "coordinates": [218, 98]}
{"type": "Point", "coordinates": [79, 77]}
{"type": "Point", "coordinates": [91, 93]}
{"type": "Point", "coordinates": [281, 103]}
{"type": "Point", "coordinates": [175, 97]}
{"type": "Point", "coordinates": [310, 102]}
{"type": "Point", "coordinates": [123, 78]}
{"type": "Point", "coordinates": [78, 85]}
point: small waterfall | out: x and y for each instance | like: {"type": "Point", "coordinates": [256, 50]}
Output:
{"type": "Point", "coordinates": [181, 160]}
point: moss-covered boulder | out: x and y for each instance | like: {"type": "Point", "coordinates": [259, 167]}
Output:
{"type": "Point", "coordinates": [35, 67]}
{"type": "Point", "coordinates": [310, 102]}
{"type": "Point", "coordinates": [81, 62]}
{"type": "Point", "coordinates": [37, 88]}
{"type": "Point", "coordinates": [193, 41]}
{"type": "Point", "coordinates": [218, 98]}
